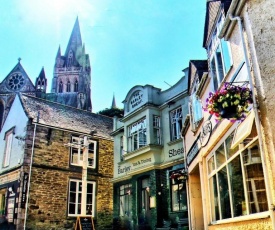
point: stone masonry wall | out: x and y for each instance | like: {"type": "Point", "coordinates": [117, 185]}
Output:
{"type": "Point", "coordinates": [50, 179]}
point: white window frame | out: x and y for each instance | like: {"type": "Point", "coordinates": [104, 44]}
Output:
{"type": "Point", "coordinates": [76, 152]}
{"type": "Point", "coordinates": [213, 173]}
{"type": "Point", "coordinates": [176, 123]}
{"type": "Point", "coordinates": [137, 135]}
{"type": "Point", "coordinates": [156, 130]}
{"type": "Point", "coordinates": [77, 201]}
{"type": "Point", "coordinates": [221, 45]}
{"type": "Point", "coordinates": [8, 146]}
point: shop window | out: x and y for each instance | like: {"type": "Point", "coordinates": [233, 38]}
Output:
{"type": "Point", "coordinates": [236, 181]}
{"type": "Point", "coordinates": [156, 130]}
{"type": "Point", "coordinates": [144, 197]}
{"type": "Point", "coordinates": [137, 136]}
{"type": "Point", "coordinates": [221, 60]}
{"type": "Point", "coordinates": [178, 192]}
{"type": "Point", "coordinates": [8, 146]}
{"type": "Point", "coordinates": [125, 198]}
{"type": "Point", "coordinates": [176, 123]}
{"type": "Point", "coordinates": [3, 202]}
{"type": "Point", "coordinates": [74, 199]}
{"type": "Point", "coordinates": [76, 150]}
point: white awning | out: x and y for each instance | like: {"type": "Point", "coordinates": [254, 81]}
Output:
{"type": "Point", "coordinates": [243, 130]}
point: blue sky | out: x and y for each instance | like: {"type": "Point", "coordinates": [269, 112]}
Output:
{"type": "Point", "coordinates": [130, 42]}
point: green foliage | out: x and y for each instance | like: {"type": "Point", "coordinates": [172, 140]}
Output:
{"type": "Point", "coordinates": [112, 112]}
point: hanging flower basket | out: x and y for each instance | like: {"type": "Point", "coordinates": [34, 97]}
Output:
{"type": "Point", "coordinates": [231, 102]}
{"type": "Point", "coordinates": [178, 175]}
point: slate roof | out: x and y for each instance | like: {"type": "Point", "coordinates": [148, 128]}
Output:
{"type": "Point", "coordinates": [66, 117]}
{"type": "Point", "coordinates": [201, 67]}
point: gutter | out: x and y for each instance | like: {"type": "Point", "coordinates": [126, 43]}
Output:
{"type": "Point", "coordinates": [232, 19]}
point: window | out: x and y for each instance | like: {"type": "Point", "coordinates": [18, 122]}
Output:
{"type": "Point", "coordinates": [178, 194]}
{"type": "Point", "coordinates": [125, 198]}
{"type": "Point", "coordinates": [60, 87]}
{"type": "Point", "coordinates": [70, 58]}
{"type": "Point", "coordinates": [75, 194]}
{"type": "Point", "coordinates": [137, 135]}
{"type": "Point", "coordinates": [3, 202]}
{"type": "Point", "coordinates": [68, 86]}
{"type": "Point", "coordinates": [236, 180]}
{"type": "Point", "coordinates": [121, 148]}
{"type": "Point", "coordinates": [176, 123]}
{"type": "Point", "coordinates": [220, 61]}
{"type": "Point", "coordinates": [195, 108]}
{"type": "Point", "coordinates": [76, 86]}
{"type": "Point", "coordinates": [77, 148]}
{"type": "Point", "coordinates": [145, 196]}
{"type": "Point", "coordinates": [8, 145]}
{"type": "Point", "coordinates": [156, 130]}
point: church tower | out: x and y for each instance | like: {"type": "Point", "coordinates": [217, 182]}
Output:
{"type": "Point", "coordinates": [71, 84]}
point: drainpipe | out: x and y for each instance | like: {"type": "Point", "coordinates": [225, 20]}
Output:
{"type": "Point", "coordinates": [257, 120]}
{"type": "Point", "coordinates": [30, 171]}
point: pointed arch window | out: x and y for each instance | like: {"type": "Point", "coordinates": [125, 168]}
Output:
{"type": "Point", "coordinates": [68, 86]}
{"type": "Point", "coordinates": [60, 87]}
{"type": "Point", "coordinates": [70, 58]}
{"type": "Point", "coordinates": [76, 86]}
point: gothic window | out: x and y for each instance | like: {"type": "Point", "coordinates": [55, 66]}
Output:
{"type": "Point", "coordinates": [70, 59]}
{"type": "Point", "coordinates": [76, 86]}
{"type": "Point", "coordinates": [68, 86]}
{"type": "Point", "coordinates": [15, 81]}
{"type": "Point", "coordinates": [60, 87]}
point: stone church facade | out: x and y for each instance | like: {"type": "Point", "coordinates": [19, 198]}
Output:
{"type": "Point", "coordinates": [71, 82]}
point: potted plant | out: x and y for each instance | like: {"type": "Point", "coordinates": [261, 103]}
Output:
{"type": "Point", "coordinates": [231, 102]}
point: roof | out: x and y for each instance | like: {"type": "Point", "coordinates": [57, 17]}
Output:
{"type": "Point", "coordinates": [213, 7]}
{"type": "Point", "coordinates": [201, 66]}
{"type": "Point", "coordinates": [66, 117]}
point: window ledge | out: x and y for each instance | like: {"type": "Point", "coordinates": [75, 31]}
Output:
{"type": "Point", "coordinates": [243, 218]}
{"type": "Point", "coordinates": [175, 141]}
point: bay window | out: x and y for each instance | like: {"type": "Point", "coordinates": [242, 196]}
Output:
{"type": "Point", "coordinates": [176, 123]}
{"type": "Point", "coordinates": [235, 179]}
{"type": "Point", "coordinates": [137, 136]}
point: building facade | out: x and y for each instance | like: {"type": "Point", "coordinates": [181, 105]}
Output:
{"type": "Point", "coordinates": [54, 170]}
{"type": "Point", "coordinates": [71, 82]}
{"type": "Point", "coordinates": [230, 162]}
{"type": "Point", "coordinates": [149, 187]}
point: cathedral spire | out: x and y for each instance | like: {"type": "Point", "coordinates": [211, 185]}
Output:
{"type": "Point", "coordinates": [75, 42]}
{"type": "Point", "coordinates": [113, 103]}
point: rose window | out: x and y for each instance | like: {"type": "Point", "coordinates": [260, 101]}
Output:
{"type": "Point", "coordinates": [15, 82]}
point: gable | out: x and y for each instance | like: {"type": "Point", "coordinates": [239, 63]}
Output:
{"type": "Point", "coordinates": [17, 81]}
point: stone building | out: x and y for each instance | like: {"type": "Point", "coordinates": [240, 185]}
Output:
{"type": "Point", "coordinates": [149, 183]}
{"type": "Point", "coordinates": [231, 162]}
{"type": "Point", "coordinates": [57, 165]}
{"type": "Point", "coordinates": [71, 82]}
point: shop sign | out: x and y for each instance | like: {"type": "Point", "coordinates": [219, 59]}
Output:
{"type": "Point", "coordinates": [136, 164]}
{"type": "Point", "coordinates": [205, 133]}
{"type": "Point", "coordinates": [136, 99]}
{"type": "Point", "coordinates": [176, 152]}
{"type": "Point", "coordinates": [192, 153]}
{"type": "Point", "coordinates": [24, 190]}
